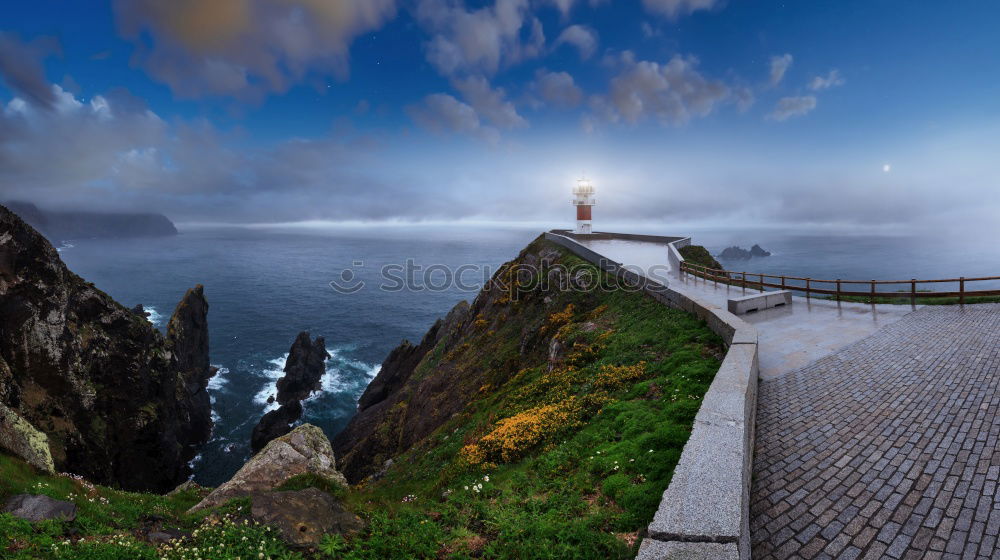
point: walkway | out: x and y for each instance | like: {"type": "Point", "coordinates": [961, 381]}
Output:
{"type": "Point", "coordinates": [790, 338]}
{"type": "Point", "coordinates": [878, 426]}
{"type": "Point", "coordinates": [887, 448]}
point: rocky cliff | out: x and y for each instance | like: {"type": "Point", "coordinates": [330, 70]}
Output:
{"type": "Point", "coordinates": [59, 225]}
{"type": "Point", "coordinates": [476, 347]}
{"type": "Point", "coordinates": [119, 402]}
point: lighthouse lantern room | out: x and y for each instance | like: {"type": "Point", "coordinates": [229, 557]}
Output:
{"type": "Point", "coordinates": [583, 200]}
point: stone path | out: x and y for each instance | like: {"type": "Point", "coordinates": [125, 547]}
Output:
{"type": "Point", "coordinates": [887, 448]}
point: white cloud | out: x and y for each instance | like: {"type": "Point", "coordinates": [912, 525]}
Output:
{"type": "Point", "coordinates": [832, 79]}
{"type": "Point", "coordinates": [245, 48]}
{"type": "Point", "coordinates": [789, 107]}
{"type": "Point", "coordinates": [440, 112]}
{"type": "Point", "coordinates": [557, 88]}
{"type": "Point", "coordinates": [565, 6]}
{"type": "Point", "coordinates": [581, 37]}
{"type": "Point", "coordinates": [489, 103]}
{"type": "Point", "coordinates": [479, 41]}
{"type": "Point", "coordinates": [779, 65]}
{"type": "Point", "coordinates": [675, 8]}
{"type": "Point", "coordinates": [673, 93]}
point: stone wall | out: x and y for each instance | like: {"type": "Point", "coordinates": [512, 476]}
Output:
{"type": "Point", "coordinates": [705, 511]}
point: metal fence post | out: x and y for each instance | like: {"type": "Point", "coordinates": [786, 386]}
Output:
{"type": "Point", "coordinates": [913, 291]}
{"type": "Point", "coordinates": [961, 290]}
{"type": "Point", "coordinates": [838, 289]}
{"type": "Point", "coordinates": [807, 288]}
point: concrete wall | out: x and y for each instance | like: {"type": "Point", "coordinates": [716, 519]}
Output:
{"type": "Point", "coordinates": [705, 512]}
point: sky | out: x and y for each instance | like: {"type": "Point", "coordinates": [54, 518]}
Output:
{"type": "Point", "coordinates": [872, 114]}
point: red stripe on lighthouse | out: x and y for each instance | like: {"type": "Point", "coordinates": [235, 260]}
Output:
{"type": "Point", "coordinates": [583, 212]}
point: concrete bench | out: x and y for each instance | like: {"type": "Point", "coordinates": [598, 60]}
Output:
{"type": "Point", "coordinates": [756, 302]}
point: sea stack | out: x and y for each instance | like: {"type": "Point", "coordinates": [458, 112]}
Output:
{"type": "Point", "coordinates": [304, 371]}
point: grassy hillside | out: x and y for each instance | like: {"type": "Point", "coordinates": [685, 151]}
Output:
{"type": "Point", "coordinates": [575, 406]}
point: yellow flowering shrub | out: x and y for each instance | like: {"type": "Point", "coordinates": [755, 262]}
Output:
{"type": "Point", "coordinates": [616, 377]}
{"type": "Point", "coordinates": [562, 317]}
{"type": "Point", "coordinates": [513, 437]}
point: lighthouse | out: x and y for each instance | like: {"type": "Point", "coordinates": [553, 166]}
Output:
{"type": "Point", "coordinates": [583, 199]}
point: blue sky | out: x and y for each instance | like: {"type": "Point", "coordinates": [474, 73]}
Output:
{"type": "Point", "coordinates": [859, 113]}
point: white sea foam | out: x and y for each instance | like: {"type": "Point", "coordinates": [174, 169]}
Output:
{"type": "Point", "coordinates": [154, 316]}
{"type": "Point", "coordinates": [64, 245]}
{"type": "Point", "coordinates": [219, 380]}
{"type": "Point", "coordinates": [272, 371]}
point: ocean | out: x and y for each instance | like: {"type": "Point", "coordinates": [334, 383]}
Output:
{"type": "Point", "coordinates": [264, 285]}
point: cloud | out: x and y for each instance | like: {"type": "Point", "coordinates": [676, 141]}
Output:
{"type": "Point", "coordinates": [833, 79]}
{"type": "Point", "coordinates": [789, 107]}
{"type": "Point", "coordinates": [558, 88]}
{"type": "Point", "coordinates": [779, 65]}
{"type": "Point", "coordinates": [245, 48]}
{"type": "Point", "coordinates": [489, 103]}
{"type": "Point", "coordinates": [566, 6]}
{"type": "Point", "coordinates": [21, 67]}
{"type": "Point", "coordinates": [673, 93]}
{"type": "Point", "coordinates": [675, 8]}
{"type": "Point", "coordinates": [479, 41]}
{"type": "Point", "coordinates": [440, 112]}
{"type": "Point", "coordinates": [581, 37]}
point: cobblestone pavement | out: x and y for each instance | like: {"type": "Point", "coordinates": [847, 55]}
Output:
{"type": "Point", "coordinates": [886, 448]}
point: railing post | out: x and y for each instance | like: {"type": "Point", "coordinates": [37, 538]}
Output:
{"type": "Point", "coordinates": [807, 288]}
{"type": "Point", "coordinates": [913, 291]}
{"type": "Point", "coordinates": [838, 289]}
{"type": "Point", "coordinates": [873, 292]}
{"type": "Point", "coordinates": [782, 282]}
{"type": "Point", "coordinates": [761, 282]}
{"type": "Point", "coordinates": [961, 290]}
{"type": "Point", "coordinates": [715, 278]}
{"type": "Point", "coordinates": [744, 276]}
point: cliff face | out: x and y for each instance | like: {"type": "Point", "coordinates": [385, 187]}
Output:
{"type": "Point", "coordinates": [120, 403]}
{"type": "Point", "coordinates": [476, 347]}
{"type": "Point", "coordinates": [81, 225]}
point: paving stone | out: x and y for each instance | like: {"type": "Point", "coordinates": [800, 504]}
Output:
{"type": "Point", "coordinates": [887, 448]}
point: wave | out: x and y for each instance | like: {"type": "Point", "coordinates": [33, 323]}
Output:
{"type": "Point", "coordinates": [219, 380]}
{"type": "Point", "coordinates": [64, 245]}
{"type": "Point", "coordinates": [273, 373]}
{"type": "Point", "coordinates": [154, 316]}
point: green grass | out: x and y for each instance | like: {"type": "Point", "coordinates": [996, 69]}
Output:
{"type": "Point", "coordinates": [578, 483]}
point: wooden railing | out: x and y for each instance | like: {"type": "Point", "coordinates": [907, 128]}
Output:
{"type": "Point", "coordinates": [872, 288]}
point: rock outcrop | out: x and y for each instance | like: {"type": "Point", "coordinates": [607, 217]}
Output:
{"type": "Point", "coordinates": [302, 517]}
{"type": "Point", "coordinates": [758, 251]}
{"type": "Point", "coordinates": [120, 403]}
{"type": "Point", "coordinates": [33, 508]}
{"type": "Point", "coordinates": [275, 424]}
{"type": "Point", "coordinates": [304, 371]}
{"type": "Point", "coordinates": [304, 368]}
{"type": "Point", "coordinates": [306, 450]}
{"type": "Point", "coordinates": [735, 253]}
{"type": "Point", "coordinates": [19, 437]}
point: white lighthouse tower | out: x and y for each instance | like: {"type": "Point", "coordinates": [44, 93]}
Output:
{"type": "Point", "coordinates": [583, 200]}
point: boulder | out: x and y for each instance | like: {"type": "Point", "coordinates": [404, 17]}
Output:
{"type": "Point", "coordinates": [305, 450]}
{"type": "Point", "coordinates": [21, 439]}
{"type": "Point", "coordinates": [302, 517]}
{"type": "Point", "coordinates": [275, 424]}
{"type": "Point", "coordinates": [39, 508]}
{"type": "Point", "coordinates": [304, 368]}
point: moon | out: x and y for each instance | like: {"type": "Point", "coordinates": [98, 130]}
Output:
{"type": "Point", "coordinates": [886, 168]}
